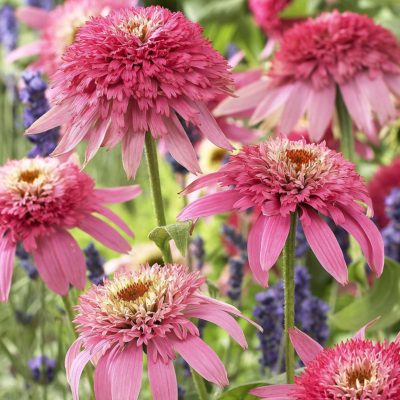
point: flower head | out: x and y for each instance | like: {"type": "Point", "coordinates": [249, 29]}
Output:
{"type": "Point", "coordinates": [134, 71]}
{"type": "Point", "coordinates": [280, 177]}
{"type": "Point", "coordinates": [58, 28]}
{"type": "Point", "coordinates": [355, 369]}
{"type": "Point", "coordinates": [317, 59]}
{"type": "Point", "coordinates": [41, 199]}
{"type": "Point", "coordinates": [149, 309]}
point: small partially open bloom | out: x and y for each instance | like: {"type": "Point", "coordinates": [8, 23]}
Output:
{"type": "Point", "coordinates": [58, 28]}
{"type": "Point", "coordinates": [40, 200]}
{"type": "Point", "coordinates": [280, 177]}
{"type": "Point", "coordinates": [135, 71]}
{"type": "Point", "coordinates": [148, 310]}
{"type": "Point", "coordinates": [335, 53]}
{"type": "Point", "coordinates": [355, 369]}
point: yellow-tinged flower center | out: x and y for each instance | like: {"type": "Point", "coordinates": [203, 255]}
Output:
{"type": "Point", "coordinates": [133, 291]}
{"type": "Point", "coordinates": [138, 26]}
{"type": "Point", "coordinates": [300, 157]}
{"type": "Point", "coordinates": [29, 175]}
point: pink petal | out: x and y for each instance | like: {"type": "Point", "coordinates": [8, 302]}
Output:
{"type": "Point", "coordinates": [210, 205]}
{"type": "Point", "coordinates": [276, 230]}
{"type": "Point", "coordinates": [71, 355]}
{"type": "Point", "coordinates": [320, 110]}
{"type": "Point", "coordinates": [361, 333]}
{"type": "Point", "coordinates": [70, 139]}
{"type": "Point", "coordinates": [95, 139]}
{"type": "Point", "coordinates": [132, 150]}
{"type": "Point", "coordinates": [306, 347]}
{"type": "Point", "coordinates": [295, 106]}
{"type": "Point", "coordinates": [202, 182]}
{"type": "Point", "coordinates": [118, 194]}
{"type": "Point", "coordinates": [56, 116]}
{"type": "Point", "coordinates": [115, 219]}
{"type": "Point", "coordinates": [162, 377]}
{"type": "Point", "coordinates": [254, 251]}
{"type": "Point", "coordinates": [179, 145]}
{"type": "Point", "coordinates": [324, 245]}
{"type": "Point", "coordinates": [125, 369]}
{"type": "Point", "coordinates": [209, 127]}
{"type": "Point", "coordinates": [202, 359]}
{"type": "Point", "coordinates": [34, 17]}
{"type": "Point", "coordinates": [393, 81]}
{"type": "Point", "coordinates": [236, 59]}
{"type": "Point", "coordinates": [104, 233]}
{"type": "Point", "coordinates": [7, 254]}
{"type": "Point", "coordinates": [220, 318]}
{"type": "Point", "coordinates": [236, 132]}
{"type": "Point", "coordinates": [102, 383]}
{"type": "Point", "coordinates": [31, 49]}
{"type": "Point", "coordinates": [278, 392]}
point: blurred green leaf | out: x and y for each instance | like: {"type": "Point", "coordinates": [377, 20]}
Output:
{"type": "Point", "coordinates": [207, 10]}
{"type": "Point", "coordinates": [241, 392]}
{"type": "Point", "coordinates": [298, 9]}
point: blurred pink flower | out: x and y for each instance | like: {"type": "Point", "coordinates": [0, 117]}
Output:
{"type": "Point", "coordinates": [147, 310]}
{"type": "Point", "coordinates": [40, 200]}
{"type": "Point", "coordinates": [58, 28]}
{"type": "Point", "coordinates": [346, 52]}
{"type": "Point", "coordinates": [355, 369]}
{"type": "Point", "coordinates": [279, 177]}
{"type": "Point", "coordinates": [385, 179]}
{"type": "Point", "coordinates": [132, 72]}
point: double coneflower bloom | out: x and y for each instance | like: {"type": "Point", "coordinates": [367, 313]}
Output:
{"type": "Point", "coordinates": [41, 199]}
{"type": "Point", "coordinates": [280, 177]}
{"type": "Point", "coordinates": [135, 71]}
{"type": "Point", "coordinates": [147, 311]}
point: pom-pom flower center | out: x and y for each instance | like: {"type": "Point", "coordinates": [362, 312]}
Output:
{"type": "Point", "coordinates": [133, 291]}
{"type": "Point", "coordinates": [300, 157]}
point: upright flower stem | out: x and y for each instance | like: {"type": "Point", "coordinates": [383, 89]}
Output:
{"type": "Point", "coordinates": [288, 278]}
{"type": "Point", "coordinates": [43, 335]}
{"type": "Point", "coordinates": [200, 385]}
{"type": "Point", "coordinates": [346, 128]}
{"type": "Point", "coordinates": [155, 185]}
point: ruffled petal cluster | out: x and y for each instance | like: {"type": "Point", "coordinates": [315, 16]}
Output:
{"type": "Point", "coordinates": [336, 53]}
{"type": "Point", "coordinates": [150, 311]}
{"type": "Point", "coordinates": [135, 71]}
{"type": "Point", "coordinates": [280, 177]}
{"type": "Point", "coordinates": [40, 200]}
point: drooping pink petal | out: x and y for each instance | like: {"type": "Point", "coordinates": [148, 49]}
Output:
{"type": "Point", "coordinates": [115, 219]}
{"type": "Point", "coordinates": [275, 392]}
{"type": "Point", "coordinates": [179, 145]}
{"type": "Point", "coordinates": [34, 17]}
{"type": "Point", "coordinates": [7, 255]}
{"type": "Point", "coordinates": [72, 353]}
{"type": "Point", "coordinates": [209, 205]}
{"type": "Point", "coordinates": [393, 81]}
{"type": "Point", "coordinates": [361, 333]}
{"type": "Point", "coordinates": [95, 139]}
{"type": "Point", "coordinates": [324, 245]}
{"type": "Point", "coordinates": [276, 230]}
{"type": "Point", "coordinates": [126, 368]}
{"type": "Point", "coordinates": [221, 318]}
{"type": "Point", "coordinates": [320, 110]}
{"type": "Point", "coordinates": [28, 50]}
{"type": "Point", "coordinates": [118, 194]}
{"type": "Point", "coordinates": [132, 151]}
{"type": "Point", "coordinates": [102, 383]}
{"type": "Point", "coordinates": [202, 359]}
{"type": "Point", "coordinates": [306, 347]}
{"type": "Point", "coordinates": [203, 182]}
{"type": "Point", "coordinates": [254, 251]}
{"type": "Point", "coordinates": [56, 116]}
{"type": "Point", "coordinates": [162, 376]}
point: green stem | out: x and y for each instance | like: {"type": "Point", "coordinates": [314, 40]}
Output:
{"type": "Point", "coordinates": [200, 385]}
{"type": "Point", "coordinates": [43, 334]}
{"type": "Point", "coordinates": [155, 185]}
{"type": "Point", "coordinates": [288, 278]}
{"type": "Point", "coordinates": [346, 128]}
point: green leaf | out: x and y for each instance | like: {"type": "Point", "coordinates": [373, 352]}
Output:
{"type": "Point", "coordinates": [212, 10]}
{"type": "Point", "coordinates": [298, 9]}
{"type": "Point", "coordinates": [178, 232]}
{"type": "Point", "coordinates": [241, 392]}
{"type": "Point", "coordinates": [383, 300]}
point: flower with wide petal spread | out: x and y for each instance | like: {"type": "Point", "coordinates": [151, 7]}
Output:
{"type": "Point", "coordinates": [40, 200]}
{"type": "Point", "coordinates": [355, 369]}
{"type": "Point", "coordinates": [134, 71]}
{"type": "Point", "coordinates": [149, 311]}
{"type": "Point", "coordinates": [335, 53]}
{"type": "Point", "coordinates": [280, 177]}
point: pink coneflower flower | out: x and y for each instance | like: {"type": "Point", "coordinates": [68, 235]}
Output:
{"type": "Point", "coordinates": [131, 72]}
{"type": "Point", "coordinates": [355, 369]}
{"type": "Point", "coordinates": [147, 310]}
{"type": "Point", "coordinates": [385, 179]}
{"type": "Point", "coordinates": [40, 200]}
{"type": "Point", "coordinates": [280, 177]}
{"type": "Point", "coordinates": [58, 29]}
{"type": "Point", "coordinates": [346, 53]}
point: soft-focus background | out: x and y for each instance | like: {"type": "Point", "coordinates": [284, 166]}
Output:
{"type": "Point", "coordinates": [34, 316]}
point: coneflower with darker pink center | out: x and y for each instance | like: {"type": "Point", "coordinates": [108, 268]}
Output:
{"type": "Point", "coordinates": [280, 177]}
{"type": "Point", "coordinates": [132, 72]}
{"type": "Point", "coordinates": [352, 370]}
{"type": "Point", "coordinates": [148, 310]}
{"type": "Point", "coordinates": [40, 200]}
{"type": "Point", "coordinates": [58, 29]}
{"type": "Point", "coordinates": [336, 52]}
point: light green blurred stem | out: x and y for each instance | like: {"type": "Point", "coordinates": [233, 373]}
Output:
{"type": "Point", "coordinates": [288, 278]}
{"type": "Point", "coordinates": [155, 186]}
{"type": "Point", "coordinates": [199, 385]}
{"type": "Point", "coordinates": [346, 128]}
{"type": "Point", "coordinates": [43, 333]}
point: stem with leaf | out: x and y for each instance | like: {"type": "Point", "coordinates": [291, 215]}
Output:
{"type": "Point", "coordinates": [346, 128]}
